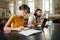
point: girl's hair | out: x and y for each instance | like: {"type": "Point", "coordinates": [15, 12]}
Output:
{"type": "Point", "coordinates": [36, 11]}
{"type": "Point", "coordinates": [24, 7]}
{"type": "Point", "coordinates": [28, 10]}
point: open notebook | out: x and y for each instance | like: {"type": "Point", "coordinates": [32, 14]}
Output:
{"type": "Point", "coordinates": [29, 32]}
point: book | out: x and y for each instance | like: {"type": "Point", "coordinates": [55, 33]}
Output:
{"type": "Point", "coordinates": [29, 32]}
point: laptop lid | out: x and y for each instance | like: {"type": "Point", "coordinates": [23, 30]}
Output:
{"type": "Point", "coordinates": [42, 26]}
{"type": "Point", "coordinates": [43, 23]}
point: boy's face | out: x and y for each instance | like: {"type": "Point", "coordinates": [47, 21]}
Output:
{"type": "Point", "coordinates": [23, 12]}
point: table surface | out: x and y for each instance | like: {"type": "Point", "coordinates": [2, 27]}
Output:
{"type": "Point", "coordinates": [44, 35]}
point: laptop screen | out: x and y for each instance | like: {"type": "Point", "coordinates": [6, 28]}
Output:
{"type": "Point", "coordinates": [43, 23]}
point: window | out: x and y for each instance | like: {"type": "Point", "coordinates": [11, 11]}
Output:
{"type": "Point", "coordinates": [51, 6]}
{"type": "Point", "coordinates": [11, 7]}
{"type": "Point", "coordinates": [31, 5]}
{"type": "Point", "coordinates": [47, 5]}
{"type": "Point", "coordinates": [19, 3]}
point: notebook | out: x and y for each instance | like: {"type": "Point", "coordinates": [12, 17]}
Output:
{"type": "Point", "coordinates": [29, 32]}
{"type": "Point", "coordinates": [15, 30]}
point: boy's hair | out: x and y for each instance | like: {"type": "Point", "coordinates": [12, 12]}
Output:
{"type": "Point", "coordinates": [24, 7]}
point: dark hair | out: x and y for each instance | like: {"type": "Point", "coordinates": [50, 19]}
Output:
{"type": "Point", "coordinates": [28, 10]}
{"type": "Point", "coordinates": [24, 7]}
{"type": "Point", "coordinates": [36, 11]}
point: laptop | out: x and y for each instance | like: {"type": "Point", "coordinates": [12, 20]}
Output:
{"type": "Point", "coordinates": [42, 26]}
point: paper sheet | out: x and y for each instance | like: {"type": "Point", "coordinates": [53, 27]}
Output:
{"type": "Point", "coordinates": [29, 32]}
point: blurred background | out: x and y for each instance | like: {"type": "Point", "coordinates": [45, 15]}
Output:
{"type": "Point", "coordinates": [50, 8]}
